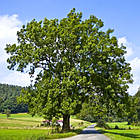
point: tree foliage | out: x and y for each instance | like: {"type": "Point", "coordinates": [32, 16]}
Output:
{"type": "Point", "coordinates": [137, 105]}
{"type": "Point", "coordinates": [132, 116]}
{"type": "Point", "coordinates": [8, 99]}
{"type": "Point", "coordinates": [74, 59]}
{"type": "Point", "coordinates": [7, 112]}
{"type": "Point", "coordinates": [97, 110]}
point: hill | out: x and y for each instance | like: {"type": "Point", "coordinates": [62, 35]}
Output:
{"type": "Point", "coordinates": [8, 95]}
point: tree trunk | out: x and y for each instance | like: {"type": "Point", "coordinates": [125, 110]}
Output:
{"type": "Point", "coordinates": [66, 123]}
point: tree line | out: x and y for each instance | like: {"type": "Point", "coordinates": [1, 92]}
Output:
{"type": "Point", "coordinates": [8, 99]}
{"type": "Point", "coordinates": [92, 112]}
{"type": "Point", "coordinates": [89, 111]}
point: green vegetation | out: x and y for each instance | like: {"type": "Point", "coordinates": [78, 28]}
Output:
{"type": "Point", "coordinates": [32, 134]}
{"type": "Point", "coordinates": [137, 97]}
{"type": "Point", "coordinates": [131, 114]}
{"type": "Point", "coordinates": [124, 131]}
{"type": "Point", "coordinates": [8, 101]}
{"type": "Point", "coordinates": [23, 126]}
{"type": "Point", "coordinates": [75, 61]}
{"type": "Point", "coordinates": [7, 112]}
{"type": "Point", "coordinates": [123, 125]}
{"type": "Point", "coordinates": [7, 134]}
{"type": "Point", "coordinates": [19, 121]}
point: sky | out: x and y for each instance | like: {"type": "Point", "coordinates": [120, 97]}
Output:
{"type": "Point", "coordinates": [121, 15]}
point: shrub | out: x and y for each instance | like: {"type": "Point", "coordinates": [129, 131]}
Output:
{"type": "Point", "coordinates": [136, 124]}
{"type": "Point", "coordinates": [46, 123]}
{"type": "Point", "coordinates": [7, 112]}
{"type": "Point", "coordinates": [101, 123]}
{"type": "Point", "coordinates": [116, 127]}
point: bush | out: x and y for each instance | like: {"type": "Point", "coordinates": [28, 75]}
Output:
{"type": "Point", "coordinates": [46, 123]}
{"type": "Point", "coordinates": [102, 124]}
{"type": "Point", "coordinates": [116, 127]}
{"type": "Point", "coordinates": [81, 124]}
{"type": "Point", "coordinates": [7, 112]}
{"type": "Point", "coordinates": [136, 123]}
{"type": "Point", "coordinates": [88, 118]}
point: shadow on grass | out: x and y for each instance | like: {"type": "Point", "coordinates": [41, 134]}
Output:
{"type": "Point", "coordinates": [130, 135]}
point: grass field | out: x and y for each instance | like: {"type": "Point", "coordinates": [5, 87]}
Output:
{"type": "Point", "coordinates": [24, 127]}
{"type": "Point", "coordinates": [125, 132]}
{"type": "Point", "coordinates": [19, 121]}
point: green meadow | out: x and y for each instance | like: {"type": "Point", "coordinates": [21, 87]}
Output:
{"type": "Point", "coordinates": [124, 132]}
{"type": "Point", "coordinates": [25, 127]}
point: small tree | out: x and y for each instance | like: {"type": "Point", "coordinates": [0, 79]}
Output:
{"type": "Point", "coordinates": [7, 112]}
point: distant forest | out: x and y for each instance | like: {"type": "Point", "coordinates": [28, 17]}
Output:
{"type": "Point", "coordinates": [8, 95]}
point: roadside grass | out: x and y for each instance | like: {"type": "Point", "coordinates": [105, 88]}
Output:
{"type": "Point", "coordinates": [125, 132]}
{"type": "Point", "coordinates": [123, 125]}
{"type": "Point", "coordinates": [33, 134]}
{"type": "Point", "coordinates": [16, 134]}
{"type": "Point", "coordinates": [25, 127]}
{"type": "Point", "coordinates": [122, 134]}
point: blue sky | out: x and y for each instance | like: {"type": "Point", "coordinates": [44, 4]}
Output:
{"type": "Point", "coordinates": [121, 15]}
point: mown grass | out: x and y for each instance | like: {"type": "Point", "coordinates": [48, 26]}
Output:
{"type": "Point", "coordinates": [125, 132]}
{"type": "Point", "coordinates": [123, 125]}
{"type": "Point", "coordinates": [25, 127]}
{"type": "Point", "coordinates": [21, 120]}
{"type": "Point", "coordinates": [23, 116]}
{"type": "Point", "coordinates": [7, 134]}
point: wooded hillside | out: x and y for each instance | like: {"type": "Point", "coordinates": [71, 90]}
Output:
{"type": "Point", "coordinates": [8, 95]}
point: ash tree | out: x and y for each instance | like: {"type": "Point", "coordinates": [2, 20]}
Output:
{"type": "Point", "coordinates": [73, 59]}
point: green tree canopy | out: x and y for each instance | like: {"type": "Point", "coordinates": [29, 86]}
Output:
{"type": "Point", "coordinates": [74, 59]}
{"type": "Point", "coordinates": [8, 96]}
{"type": "Point", "coordinates": [137, 106]}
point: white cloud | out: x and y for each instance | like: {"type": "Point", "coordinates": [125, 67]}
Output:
{"type": "Point", "coordinates": [134, 63]}
{"type": "Point", "coordinates": [17, 78]}
{"type": "Point", "coordinates": [128, 45]}
{"type": "Point", "coordinates": [122, 40]}
{"type": "Point", "coordinates": [9, 25]}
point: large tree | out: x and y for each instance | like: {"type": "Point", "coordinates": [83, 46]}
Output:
{"type": "Point", "coordinates": [73, 59]}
